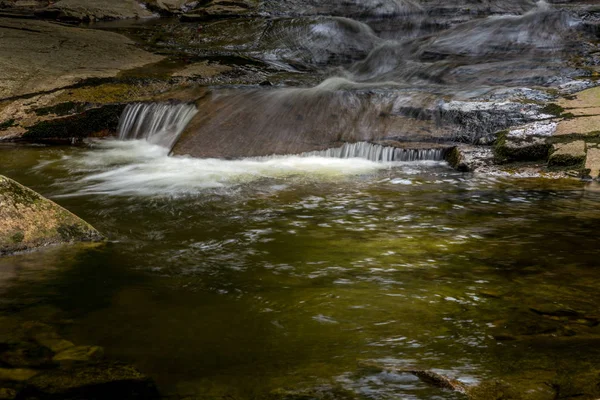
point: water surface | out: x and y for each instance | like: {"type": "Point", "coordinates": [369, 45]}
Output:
{"type": "Point", "coordinates": [240, 279]}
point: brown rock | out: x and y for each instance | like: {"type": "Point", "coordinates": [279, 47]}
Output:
{"type": "Point", "coordinates": [28, 220]}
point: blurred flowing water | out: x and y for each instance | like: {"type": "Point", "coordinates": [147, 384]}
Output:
{"type": "Point", "coordinates": [253, 278]}
{"type": "Point", "coordinates": [381, 70]}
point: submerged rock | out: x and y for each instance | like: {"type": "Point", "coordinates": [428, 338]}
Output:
{"type": "Point", "coordinates": [28, 220]}
{"type": "Point", "coordinates": [92, 382]}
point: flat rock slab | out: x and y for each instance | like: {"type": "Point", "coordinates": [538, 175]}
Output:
{"type": "Point", "coordinates": [592, 162]}
{"type": "Point", "coordinates": [579, 125]}
{"type": "Point", "coordinates": [568, 154]}
{"type": "Point", "coordinates": [584, 99]}
{"type": "Point", "coordinates": [85, 10]}
{"type": "Point", "coordinates": [37, 56]}
{"type": "Point", "coordinates": [28, 220]}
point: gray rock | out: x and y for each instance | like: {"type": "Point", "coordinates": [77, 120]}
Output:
{"type": "Point", "coordinates": [96, 10]}
{"type": "Point", "coordinates": [38, 56]}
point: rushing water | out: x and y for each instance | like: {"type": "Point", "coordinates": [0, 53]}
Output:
{"type": "Point", "coordinates": [240, 279]}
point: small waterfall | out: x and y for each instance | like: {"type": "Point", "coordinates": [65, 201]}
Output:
{"type": "Point", "coordinates": [158, 123]}
{"type": "Point", "coordinates": [376, 153]}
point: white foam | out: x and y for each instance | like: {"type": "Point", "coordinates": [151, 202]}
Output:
{"type": "Point", "coordinates": [139, 168]}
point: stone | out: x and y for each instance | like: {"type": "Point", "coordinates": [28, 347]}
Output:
{"type": "Point", "coordinates": [97, 10]}
{"type": "Point", "coordinates": [26, 355]}
{"type": "Point", "coordinates": [91, 382]}
{"type": "Point", "coordinates": [80, 354]}
{"type": "Point", "coordinates": [8, 394]}
{"type": "Point", "coordinates": [579, 125]}
{"type": "Point", "coordinates": [592, 162]}
{"type": "Point", "coordinates": [571, 154]}
{"type": "Point", "coordinates": [29, 51]}
{"type": "Point", "coordinates": [28, 220]}
{"type": "Point", "coordinates": [16, 374]}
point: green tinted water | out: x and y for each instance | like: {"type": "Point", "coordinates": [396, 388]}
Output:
{"type": "Point", "coordinates": [238, 281]}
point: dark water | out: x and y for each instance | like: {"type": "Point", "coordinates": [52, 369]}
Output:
{"type": "Point", "coordinates": [238, 279]}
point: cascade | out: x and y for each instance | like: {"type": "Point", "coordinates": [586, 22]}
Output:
{"type": "Point", "coordinates": [379, 153]}
{"type": "Point", "coordinates": [157, 123]}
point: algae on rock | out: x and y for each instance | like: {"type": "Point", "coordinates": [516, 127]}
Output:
{"type": "Point", "coordinates": [28, 220]}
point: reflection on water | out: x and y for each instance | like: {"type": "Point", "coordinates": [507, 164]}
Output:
{"type": "Point", "coordinates": [244, 278]}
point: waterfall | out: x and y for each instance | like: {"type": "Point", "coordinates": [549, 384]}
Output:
{"type": "Point", "coordinates": [158, 123]}
{"type": "Point", "coordinates": [379, 153]}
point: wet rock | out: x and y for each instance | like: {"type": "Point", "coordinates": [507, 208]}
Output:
{"type": "Point", "coordinates": [554, 310]}
{"type": "Point", "coordinates": [592, 161]}
{"type": "Point", "coordinates": [217, 9]}
{"type": "Point", "coordinates": [79, 354]}
{"type": "Point", "coordinates": [518, 145]}
{"type": "Point", "coordinates": [29, 51]}
{"type": "Point", "coordinates": [570, 154]}
{"type": "Point", "coordinates": [467, 158]}
{"type": "Point", "coordinates": [16, 374]}
{"type": "Point", "coordinates": [46, 336]}
{"type": "Point", "coordinates": [82, 10]}
{"type": "Point", "coordinates": [8, 394]}
{"type": "Point", "coordinates": [427, 376]}
{"type": "Point", "coordinates": [92, 382]}
{"type": "Point", "coordinates": [28, 220]}
{"type": "Point", "coordinates": [26, 355]}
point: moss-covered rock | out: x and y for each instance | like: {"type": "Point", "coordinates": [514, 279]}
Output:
{"type": "Point", "coordinates": [568, 155]}
{"type": "Point", "coordinates": [28, 220]}
{"type": "Point", "coordinates": [512, 149]}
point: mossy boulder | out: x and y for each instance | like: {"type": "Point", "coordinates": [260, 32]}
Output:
{"type": "Point", "coordinates": [28, 220]}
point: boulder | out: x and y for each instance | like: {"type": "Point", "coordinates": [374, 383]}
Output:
{"type": "Point", "coordinates": [28, 220]}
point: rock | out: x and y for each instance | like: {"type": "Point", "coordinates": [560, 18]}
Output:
{"type": "Point", "coordinates": [28, 220]}
{"type": "Point", "coordinates": [511, 147]}
{"type": "Point", "coordinates": [92, 382]}
{"type": "Point", "coordinates": [571, 154]}
{"type": "Point", "coordinates": [592, 162]}
{"type": "Point", "coordinates": [174, 6]}
{"type": "Point", "coordinates": [38, 56]}
{"type": "Point", "coordinates": [427, 376]}
{"type": "Point", "coordinates": [16, 374]}
{"type": "Point", "coordinates": [467, 158]}
{"type": "Point", "coordinates": [217, 9]}
{"type": "Point", "coordinates": [80, 354]}
{"type": "Point", "coordinates": [82, 10]}
{"type": "Point", "coordinates": [26, 355]}
{"type": "Point", "coordinates": [8, 394]}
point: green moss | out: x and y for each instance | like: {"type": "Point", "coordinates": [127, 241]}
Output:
{"type": "Point", "coordinates": [503, 153]}
{"type": "Point", "coordinates": [553, 109]}
{"type": "Point", "coordinates": [6, 124]}
{"type": "Point", "coordinates": [566, 161]}
{"type": "Point", "coordinates": [69, 232]}
{"type": "Point", "coordinates": [18, 237]}
{"type": "Point", "coordinates": [17, 193]}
